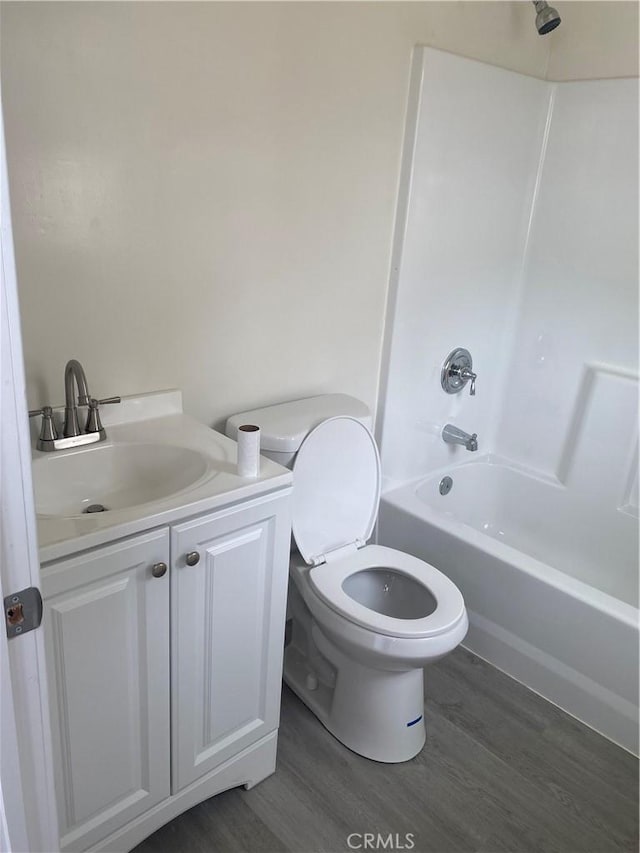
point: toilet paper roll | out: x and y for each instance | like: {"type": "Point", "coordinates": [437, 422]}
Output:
{"type": "Point", "coordinates": [248, 450]}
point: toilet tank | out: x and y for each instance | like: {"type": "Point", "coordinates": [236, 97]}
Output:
{"type": "Point", "coordinates": [284, 427]}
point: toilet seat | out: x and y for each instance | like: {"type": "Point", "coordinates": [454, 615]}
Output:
{"type": "Point", "coordinates": [327, 582]}
{"type": "Point", "coordinates": [335, 506]}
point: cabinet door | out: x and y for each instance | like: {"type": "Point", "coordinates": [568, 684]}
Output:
{"type": "Point", "coordinates": [106, 620]}
{"type": "Point", "coordinates": [228, 612]}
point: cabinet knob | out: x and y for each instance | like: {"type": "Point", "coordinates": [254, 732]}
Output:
{"type": "Point", "coordinates": [192, 558]}
{"type": "Point", "coordinates": [159, 569]}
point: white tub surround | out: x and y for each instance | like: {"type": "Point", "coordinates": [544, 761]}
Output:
{"type": "Point", "coordinates": [570, 398]}
{"type": "Point", "coordinates": [516, 238]}
{"type": "Point", "coordinates": [466, 198]}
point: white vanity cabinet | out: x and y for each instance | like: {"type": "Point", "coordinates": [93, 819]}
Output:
{"type": "Point", "coordinates": [131, 647]}
{"type": "Point", "coordinates": [106, 621]}
{"type": "Point", "coordinates": [226, 655]}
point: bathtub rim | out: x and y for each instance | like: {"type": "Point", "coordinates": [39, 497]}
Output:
{"type": "Point", "coordinates": [404, 496]}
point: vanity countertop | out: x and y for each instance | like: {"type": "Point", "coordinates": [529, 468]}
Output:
{"type": "Point", "coordinates": [155, 419]}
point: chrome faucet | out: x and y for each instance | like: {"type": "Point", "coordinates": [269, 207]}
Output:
{"type": "Point", "coordinates": [74, 377]}
{"type": "Point", "coordinates": [452, 435]}
{"type": "Point", "coordinates": [73, 435]}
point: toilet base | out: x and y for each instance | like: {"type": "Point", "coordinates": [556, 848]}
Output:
{"type": "Point", "coordinates": [377, 713]}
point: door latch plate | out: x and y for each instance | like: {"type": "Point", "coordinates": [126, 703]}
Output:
{"type": "Point", "coordinates": [22, 611]}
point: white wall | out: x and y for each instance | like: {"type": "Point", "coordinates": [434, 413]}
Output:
{"type": "Point", "coordinates": [595, 40]}
{"type": "Point", "coordinates": [204, 193]}
{"type": "Point", "coordinates": [478, 141]}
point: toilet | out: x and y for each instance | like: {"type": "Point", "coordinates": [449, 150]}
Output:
{"type": "Point", "coordinates": [363, 620]}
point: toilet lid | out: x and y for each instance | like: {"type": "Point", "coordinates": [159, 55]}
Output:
{"type": "Point", "coordinates": [336, 488]}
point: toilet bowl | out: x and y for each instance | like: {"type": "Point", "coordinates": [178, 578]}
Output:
{"type": "Point", "coordinates": [388, 609]}
{"type": "Point", "coordinates": [373, 698]}
{"type": "Point", "coordinates": [364, 619]}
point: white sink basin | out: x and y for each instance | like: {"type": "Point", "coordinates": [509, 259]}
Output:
{"type": "Point", "coordinates": [114, 476]}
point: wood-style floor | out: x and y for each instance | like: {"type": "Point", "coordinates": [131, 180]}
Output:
{"type": "Point", "coordinates": [502, 770]}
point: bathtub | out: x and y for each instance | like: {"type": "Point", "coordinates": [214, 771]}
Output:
{"type": "Point", "coordinates": [550, 586]}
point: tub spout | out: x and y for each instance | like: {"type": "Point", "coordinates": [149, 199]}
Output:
{"type": "Point", "coordinates": [453, 435]}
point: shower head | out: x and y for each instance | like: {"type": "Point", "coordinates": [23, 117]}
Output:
{"type": "Point", "coordinates": [547, 18]}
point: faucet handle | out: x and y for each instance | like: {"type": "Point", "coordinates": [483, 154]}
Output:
{"type": "Point", "coordinates": [47, 428]}
{"type": "Point", "coordinates": [94, 424]}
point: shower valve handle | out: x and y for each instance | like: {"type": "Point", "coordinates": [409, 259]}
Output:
{"type": "Point", "coordinates": [466, 374]}
{"type": "Point", "coordinates": [457, 371]}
